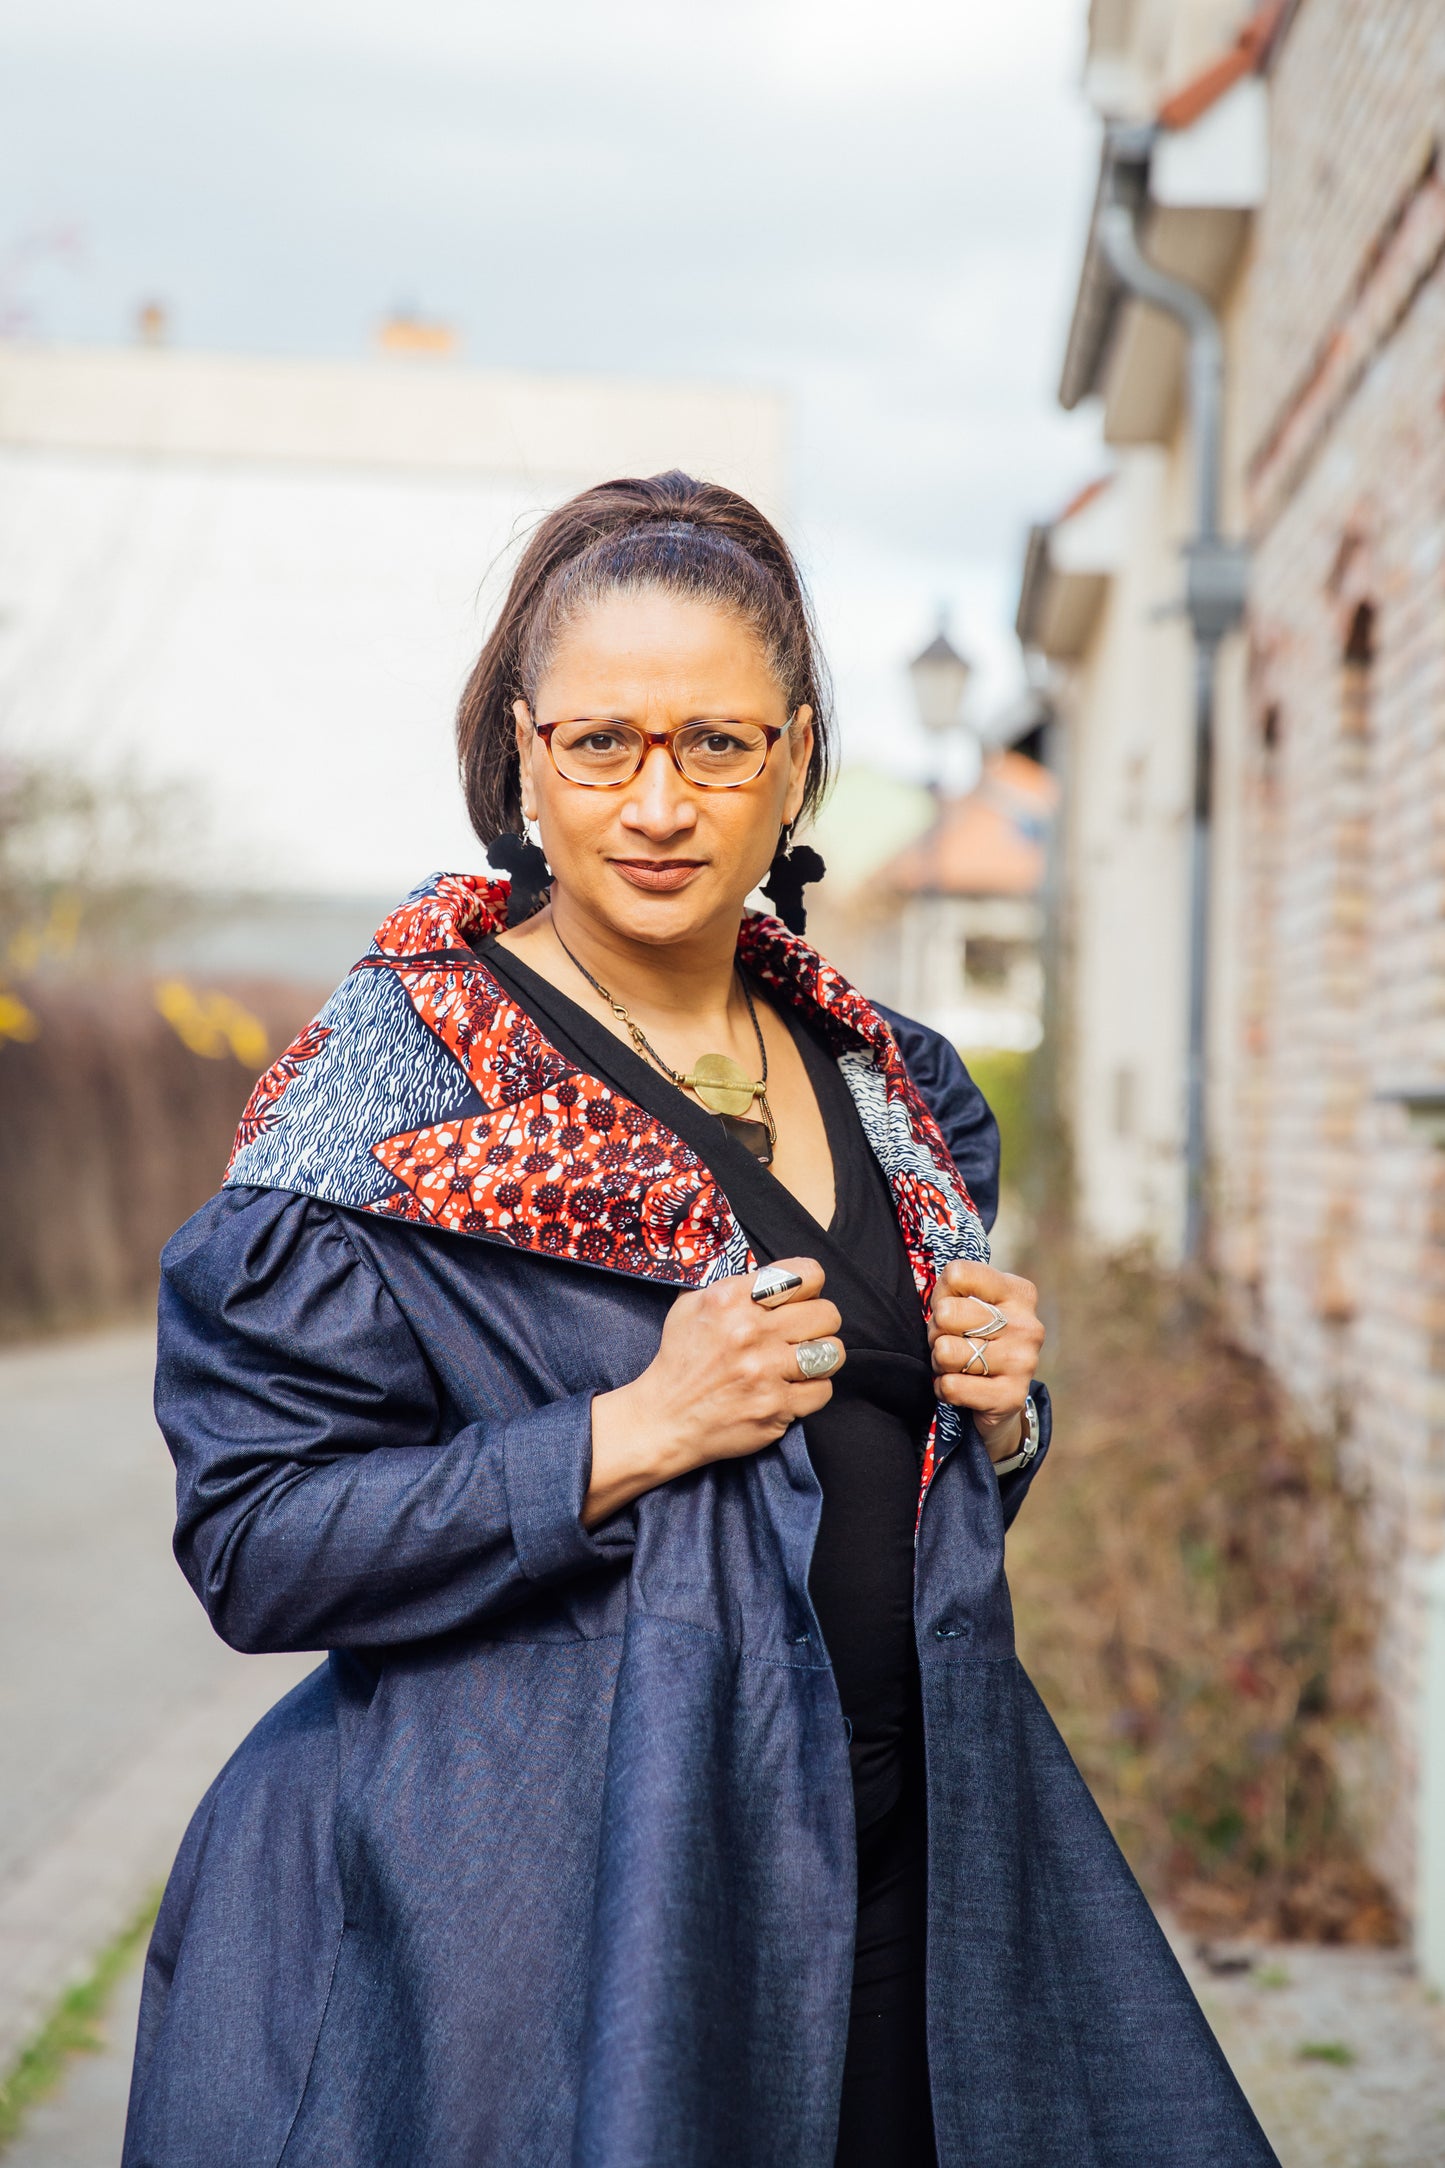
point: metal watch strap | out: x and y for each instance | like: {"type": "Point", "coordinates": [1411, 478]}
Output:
{"type": "Point", "coordinates": [1030, 1444]}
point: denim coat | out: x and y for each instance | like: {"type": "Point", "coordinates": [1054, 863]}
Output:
{"type": "Point", "coordinates": [552, 1861]}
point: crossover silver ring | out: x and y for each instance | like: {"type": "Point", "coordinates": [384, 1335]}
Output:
{"type": "Point", "coordinates": [990, 1330]}
{"type": "Point", "coordinates": [774, 1284]}
{"type": "Point", "coordinates": [978, 1360]}
{"type": "Point", "coordinates": [818, 1358]}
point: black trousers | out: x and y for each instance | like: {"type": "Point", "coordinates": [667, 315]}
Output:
{"type": "Point", "coordinates": [887, 2115]}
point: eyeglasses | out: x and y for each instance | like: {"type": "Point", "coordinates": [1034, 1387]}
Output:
{"type": "Point", "coordinates": [603, 755]}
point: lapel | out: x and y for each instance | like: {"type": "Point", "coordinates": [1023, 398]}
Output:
{"type": "Point", "coordinates": [423, 1093]}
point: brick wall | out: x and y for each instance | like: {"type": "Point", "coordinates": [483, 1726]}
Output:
{"type": "Point", "coordinates": [1336, 1212]}
{"type": "Point", "coordinates": [1355, 103]}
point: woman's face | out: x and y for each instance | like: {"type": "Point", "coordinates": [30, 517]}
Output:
{"type": "Point", "coordinates": [661, 859]}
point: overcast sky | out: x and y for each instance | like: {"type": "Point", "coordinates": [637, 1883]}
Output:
{"type": "Point", "coordinates": [878, 208]}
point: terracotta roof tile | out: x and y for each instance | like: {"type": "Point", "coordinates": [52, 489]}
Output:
{"type": "Point", "coordinates": [1082, 497]}
{"type": "Point", "coordinates": [989, 843]}
{"type": "Point", "coordinates": [1248, 54]}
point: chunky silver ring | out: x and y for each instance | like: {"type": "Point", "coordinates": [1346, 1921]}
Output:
{"type": "Point", "coordinates": [818, 1358]}
{"type": "Point", "coordinates": [774, 1284]}
{"type": "Point", "coordinates": [979, 1356]}
{"type": "Point", "coordinates": [997, 1322]}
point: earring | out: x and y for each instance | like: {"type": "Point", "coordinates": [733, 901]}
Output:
{"type": "Point", "coordinates": [531, 876]}
{"type": "Point", "coordinates": [789, 874]}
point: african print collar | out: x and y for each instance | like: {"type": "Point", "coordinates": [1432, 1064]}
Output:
{"type": "Point", "coordinates": [422, 1092]}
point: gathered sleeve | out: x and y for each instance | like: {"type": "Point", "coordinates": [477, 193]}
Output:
{"type": "Point", "coordinates": [325, 1496]}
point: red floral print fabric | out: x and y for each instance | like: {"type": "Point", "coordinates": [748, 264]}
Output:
{"type": "Point", "coordinates": [549, 1159]}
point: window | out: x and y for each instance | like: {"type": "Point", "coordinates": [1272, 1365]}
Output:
{"type": "Point", "coordinates": [1346, 957]}
{"type": "Point", "coordinates": [1358, 663]}
{"type": "Point", "coordinates": [988, 963]}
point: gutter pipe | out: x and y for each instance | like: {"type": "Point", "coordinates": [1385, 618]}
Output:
{"type": "Point", "coordinates": [1215, 575]}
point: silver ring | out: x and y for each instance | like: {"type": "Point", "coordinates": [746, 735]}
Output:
{"type": "Point", "coordinates": [997, 1322]}
{"type": "Point", "coordinates": [979, 1356]}
{"type": "Point", "coordinates": [818, 1358]}
{"type": "Point", "coordinates": [775, 1283]}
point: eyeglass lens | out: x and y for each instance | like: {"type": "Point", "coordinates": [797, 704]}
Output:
{"type": "Point", "coordinates": [712, 755]}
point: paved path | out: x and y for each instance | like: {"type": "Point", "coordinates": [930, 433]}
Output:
{"type": "Point", "coordinates": [83, 2125]}
{"type": "Point", "coordinates": [1376, 2099]}
{"type": "Point", "coordinates": [1386, 2109]}
{"type": "Point", "coordinates": [117, 1702]}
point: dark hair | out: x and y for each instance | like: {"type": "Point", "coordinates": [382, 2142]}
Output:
{"type": "Point", "coordinates": [691, 538]}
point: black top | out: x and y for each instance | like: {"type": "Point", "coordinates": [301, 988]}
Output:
{"type": "Point", "coordinates": [866, 1445]}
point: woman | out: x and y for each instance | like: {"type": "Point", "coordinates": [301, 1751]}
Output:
{"type": "Point", "coordinates": [595, 1310]}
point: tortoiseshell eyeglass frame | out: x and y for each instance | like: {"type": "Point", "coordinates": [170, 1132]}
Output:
{"type": "Point", "coordinates": [647, 739]}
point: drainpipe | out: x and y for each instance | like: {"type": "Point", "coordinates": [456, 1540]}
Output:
{"type": "Point", "coordinates": [1215, 572]}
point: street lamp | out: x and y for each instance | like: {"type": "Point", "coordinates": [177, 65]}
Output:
{"type": "Point", "coordinates": [940, 678]}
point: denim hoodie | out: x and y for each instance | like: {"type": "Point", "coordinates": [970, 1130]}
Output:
{"type": "Point", "coordinates": [552, 1861]}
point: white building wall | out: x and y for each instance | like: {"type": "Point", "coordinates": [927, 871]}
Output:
{"type": "Point", "coordinates": [930, 942]}
{"type": "Point", "coordinates": [1126, 888]}
{"type": "Point", "coordinates": [270, 578]}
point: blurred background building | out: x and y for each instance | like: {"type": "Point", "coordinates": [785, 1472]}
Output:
{"type": "Point", "coordinates": [959, 934]}
{"type": "Point", "coordinates": [935, 895]}
{"type": "Point", "coordinates": [1285, 163]}
{"type": "Point", "coordinates": [265, 579]}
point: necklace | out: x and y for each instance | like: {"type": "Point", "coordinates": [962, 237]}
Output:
{"type": "Point", "coordinates": [718, 1082]}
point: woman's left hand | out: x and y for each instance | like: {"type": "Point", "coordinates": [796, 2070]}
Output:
{"type": "Point", "coordinates": [994, 1397]}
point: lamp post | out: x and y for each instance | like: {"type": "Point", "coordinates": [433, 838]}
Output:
{"type": "Point", "coordinates": [940, 676]}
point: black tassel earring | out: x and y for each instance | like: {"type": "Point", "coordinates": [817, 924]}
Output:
{"type": "Point", "coordinates": [530, 872]}
{"type": "Point", "coordinates": [789, 874]}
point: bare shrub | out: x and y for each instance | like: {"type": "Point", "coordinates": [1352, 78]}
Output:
{"type": "Point", "coordinates": [1193, 1603]}
{"type": "Point", "coordinates": [92, 865]}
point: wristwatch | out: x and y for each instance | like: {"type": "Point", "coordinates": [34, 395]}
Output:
{"type": "Point", "coordinates": [1029, 1446]}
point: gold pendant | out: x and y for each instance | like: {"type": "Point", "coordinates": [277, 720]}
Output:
{"type": "Point", "coordinates": [722, 1084]}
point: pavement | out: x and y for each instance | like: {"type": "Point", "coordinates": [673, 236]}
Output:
{"type": "Point", "coordinates": [83, 2124]}
{"type": "Point", "coordinates": [118, 1705]}
{"type": "Point", "coordinates": [1341, 2052]}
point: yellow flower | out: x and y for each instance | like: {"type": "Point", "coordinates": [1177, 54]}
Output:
{"type": "Point", "coordinates": [16, 1021]}
{"type": "Point", "coordinates": [212, 1025]}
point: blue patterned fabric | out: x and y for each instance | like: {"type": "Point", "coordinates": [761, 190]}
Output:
{"type": "Point", "coordinates": [377, 1070]}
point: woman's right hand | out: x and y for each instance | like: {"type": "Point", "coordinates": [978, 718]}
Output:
{"type": "Point", "coordinates": [724, 1382]}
